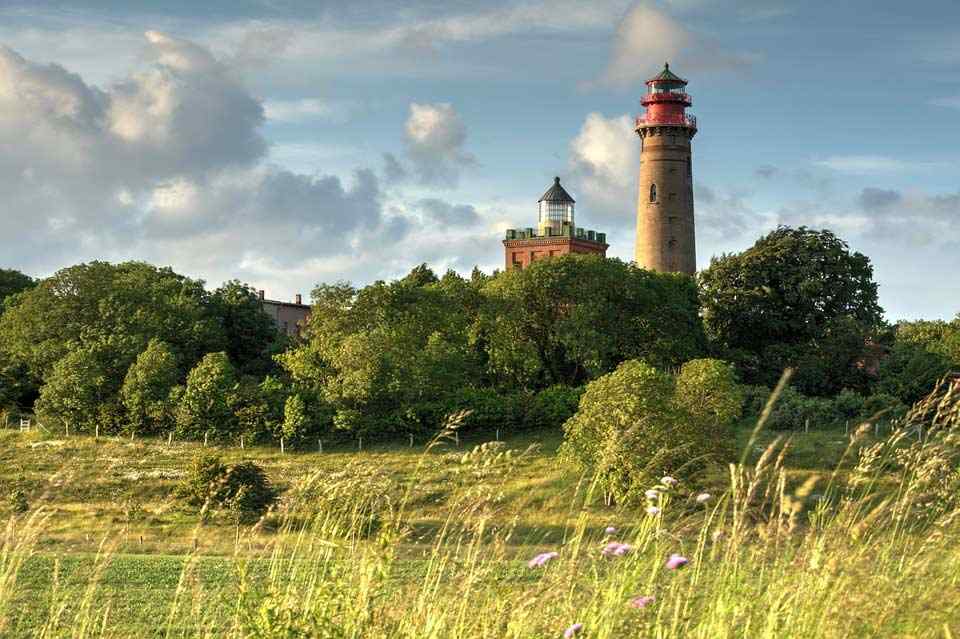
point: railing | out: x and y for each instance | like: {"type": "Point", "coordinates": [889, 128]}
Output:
{"type": "Point", "coordinates": [649, 98]}
{"type": "Point", "coordinates": [685, 119]}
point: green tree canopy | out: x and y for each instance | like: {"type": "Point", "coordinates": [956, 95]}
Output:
{"type": "Point", "coordinates": [207, 403]}
{"type": "Point", "coordinates": [12, 282]}
{"type": "Point", "coordinates": [798, 297]}
{"type": "Point", "coordinates": [146, 388]}
{"type": "Point", "coordinates": [250, 334]}
{"type": "Point", "coordinates": [127, 303]}
{"type": "Point", "coordinates": [569, 319]}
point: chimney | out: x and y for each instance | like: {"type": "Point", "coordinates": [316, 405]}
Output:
{"type": "Point", "coordinates": [260, 293]}
{"type": "Point", "coordinates": [299, 299]}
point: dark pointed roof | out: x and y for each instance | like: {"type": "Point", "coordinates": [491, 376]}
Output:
{"type": "Point", "coordinates": [556, 193]}
{"type": "Point", "coordinates": [667, 75]}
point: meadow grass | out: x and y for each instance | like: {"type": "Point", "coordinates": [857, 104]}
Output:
{"type": "Point", "coordinates": [401, 542]}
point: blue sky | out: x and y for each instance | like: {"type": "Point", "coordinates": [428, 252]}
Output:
{"type": "Point", "coordinates": [288, 142]}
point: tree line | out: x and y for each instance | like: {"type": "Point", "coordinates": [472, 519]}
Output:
{"type": "Point", "coordinates": [132, 347]}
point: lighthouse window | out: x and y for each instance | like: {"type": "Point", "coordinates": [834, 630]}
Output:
{"type": "Point", "coordinates": [653, 192]}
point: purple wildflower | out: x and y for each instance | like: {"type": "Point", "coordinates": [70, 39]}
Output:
{"type": "Point", "coordinates": [610, 530]}
{"type": "Point", "coordinates": [652, 494]}
{"type": "Point", "coordinates": [572, 631]}
{"type": "Point", "coordinates": [616, 549]}
{"type": "Point", "coordinates": [541, 559]}
{"type": "Point", "coordinates": [652, 510]}
{"type": "Point", "coordinates": [643, 601]}
{"type": "Point", "coordinates": [668, 481]}
{"type": "Point", "coordinates": [677, 561]}
{"type": "Point", "coordinates": [703, 498]}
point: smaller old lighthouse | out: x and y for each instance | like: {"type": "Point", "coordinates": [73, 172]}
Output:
{"type": "Point", "coordinates": [666, 240]}
{"type": "Point", "coordinates": [556, 233]}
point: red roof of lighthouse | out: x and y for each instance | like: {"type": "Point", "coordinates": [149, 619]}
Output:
{"type": "Point", "coordinates": [667, 76]}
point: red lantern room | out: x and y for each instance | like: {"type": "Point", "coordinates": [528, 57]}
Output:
{"type": "Point", "coordinates": [666, 101]}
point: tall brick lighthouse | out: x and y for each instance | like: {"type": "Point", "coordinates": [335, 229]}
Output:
{"type": "Point", "coordinates": [666, 240]}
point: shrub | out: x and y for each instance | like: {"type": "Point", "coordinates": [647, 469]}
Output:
{"type": "Point", "coordinates": [910, 371]}
{"type": "Point", "coordinates": [755, 398]}
{"type": "Point", "coordinates": [848, 405]}
{"type": "Point", "coordinates": [488, 409]}
{"type": "Point", "coordinates": [551, 407]}
{"type": "Point", "coordinates": [242, 488]}
{"type": "Point", "coordinates": [708, 391]}
{"type": "Point", "coordinates": [630, 427]}
{"type": "Point", "coordinates": [883, 407]}
{"type": "Point", "coordinates": [18, 502]}
{"type": "Point", "coordinates": [794, 411]}
{"type": "Point", "coordinates": [206, 405]}
{"type": "Point", "coordinates": [146, 389]}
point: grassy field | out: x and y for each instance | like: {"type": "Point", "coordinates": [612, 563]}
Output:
{"type": "Point", "coordinates": [108, 551]}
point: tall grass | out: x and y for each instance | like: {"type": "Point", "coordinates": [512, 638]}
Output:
{"type": "Point", "coordinates": [868, 550]}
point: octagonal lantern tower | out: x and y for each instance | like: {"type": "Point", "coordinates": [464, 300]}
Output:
{"type": "Point", "coordinates": [666, 239]}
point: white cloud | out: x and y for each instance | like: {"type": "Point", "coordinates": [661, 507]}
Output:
{"type": "Point", "coordinates": [435, 136]}
{"type": "Point", "coordinates": [863, 164]}
{"type": "Point", "coordinates": [306, 109]}
{"type": "Point", "coordinates": [647, 36]}
{"type": "Point", "coordinates": [168, 165]}
{"type": "Point", "coordinates": [603, 159]}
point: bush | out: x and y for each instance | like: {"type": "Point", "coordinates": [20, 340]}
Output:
{"type": "Point", "coordinates": [883, 407]}
{"type": "Point", "coordinates": [631, 426]}
{"type": "Point", "coordinates": [910, 371]}
{"type": "Point", "coordinates": [551, 407]}
{"type": "Point", "coordinates": [755, 398]}
{"type": "Point", "coordinates": [489, 411]}
{"type": "Point", "coordinates": [242, 488]}
{"type": "Point", "coordinates": [794, 411]}
{"type": "Point", "coordinates": [18, 502]}
{"type": "Point", "coordinates": [708, 391]}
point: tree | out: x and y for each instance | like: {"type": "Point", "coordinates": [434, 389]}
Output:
{"type": "Point", "coordinates": [128, 304]}
{"type": "Point", "coordinates": [910, 372]}
{"type": "Point", "coordinates": [81, 390]}
{"type": "Point", "coordinates": [778, 302]}
{"type": "Point", "coordinates": [250, 334]}
{"type": "Point", "coordinates": [935, 336]}
{"type": "Point", "coordinates": [572, 318]}
{"type": "Point", "coordinates": [146, 389]}
{"type": "Point", "coordinates": [12, 282]}
{"type": "Point", "coordinates": [372, 354]}
{"type": "Point", "coordinates": [206, 405]}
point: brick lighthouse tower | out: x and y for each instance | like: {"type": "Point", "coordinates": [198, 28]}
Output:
{"type": "Point", "coordinates": [666, 240]}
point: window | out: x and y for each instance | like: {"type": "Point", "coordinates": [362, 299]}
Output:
{"type": "Point", "coordinates": [653, 192]}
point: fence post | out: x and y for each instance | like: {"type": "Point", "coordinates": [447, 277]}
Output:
{"type": "Point", "coordinates": [205, 435]}
{"type": "Point", "coordinates": [320, 445]}
{"type": "Point", "coordinates": [411, 440]}
{"type": "Point", "coordinates": [241, 442]}
{"type": "Point", "coordinates": [282, 450]}
{"type": "Point", "coordinates": [846, 427]}
{"type": "Point", "coordinates": [170, 438]}
{"type": "Point", "coordinates": [456, 438]}
{"type": "Point", "coordinates": [360, 443]}
{"type": "Point", "coordinates": [498, 434]}
{"type": "Point", "coordinates": [66, 430]}
{"type": "Point", "coordinates": [96, 431]}
{"type": "Point", "coordinates": [806, 425]}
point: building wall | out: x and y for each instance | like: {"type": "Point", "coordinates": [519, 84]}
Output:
{"type": "Point", "coordinates": [289, 317]}
{"type": "Point", "coordinates": [666, 239]}
{"type": "Point", "coordinates": [521, 253]}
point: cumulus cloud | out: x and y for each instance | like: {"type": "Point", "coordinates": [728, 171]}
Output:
{"type": "Point", "coordinates": [647, 36]}
{"type": "Point", "coordinates": [603, 160]}
{"type": "Point", "coordinates": [306, 109]}
{"type": "Point", "coordinates": [169, 165]}
{"type": "Point", "coordinates": [435, 137]}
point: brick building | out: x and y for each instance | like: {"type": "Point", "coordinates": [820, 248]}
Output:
{"type": "Point", "coordinates": [556, 233]}
{"type": "Point", "coordinates": [289, 317]}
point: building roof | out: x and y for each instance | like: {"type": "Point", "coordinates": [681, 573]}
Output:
{"type": "Point", "coordinates": [667, 75]}
{"type": "Point", "coordinates": [556, 193]}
